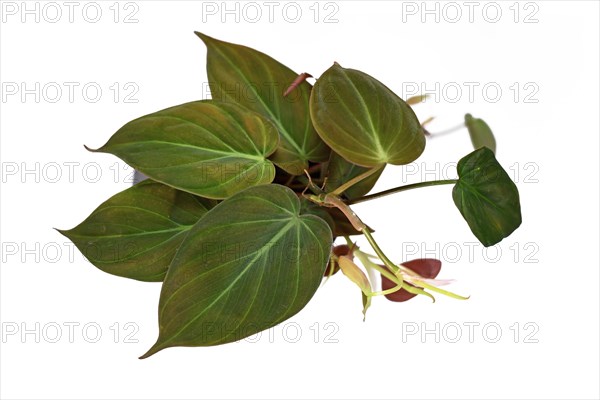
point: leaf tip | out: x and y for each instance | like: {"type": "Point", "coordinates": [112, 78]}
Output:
{"type": "Point", "coordinates": [158, 346]}
{"type": "Point", "coordinates": [205, 38]}
{"type": "Point", "coordinates": [90, 149]}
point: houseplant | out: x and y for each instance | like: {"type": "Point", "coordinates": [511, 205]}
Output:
{"type": "Point", "coordinates": [248, 191]}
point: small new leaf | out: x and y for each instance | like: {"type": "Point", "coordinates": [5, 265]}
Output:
{"type": "Point", "coordinates": [480, 132]}
{"type": "Point", "coordinates": [486, 197]}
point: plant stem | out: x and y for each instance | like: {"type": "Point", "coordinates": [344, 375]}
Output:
{"type": "Point", "coordinates": [447, 131]}
{"type": "Point", "coordinates": [402, 189]}
{"type": "Point", "coordinates": [383, 271]}
{"type": "Point", "coordinates": [388, 263]}
{"type": "Point", "coordinates": [355, 180]}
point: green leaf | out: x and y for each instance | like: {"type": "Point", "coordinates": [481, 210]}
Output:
{"type": "Point", "coordinates": [363, 120]}
{"type": "Point", "coordinates": [337, 221]}
{"type": "Point", "coordinates": [486, 197]}
{"type": "Point", "coordinates": [308, 207]}
{"type": "Point", "coordinates": [208, 148]}
{"type": "Point", "coordinates": [135, 233]}
{"type": "Point", "coordinates": [341, 171]}
{"type": "Point", "coordinates": [243, 75]}
{"type": "Point", "coordinates": [250, 263]}
{"type": "Point", "coordinates": [480, 132]}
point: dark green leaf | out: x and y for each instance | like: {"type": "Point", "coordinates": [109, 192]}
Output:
{"type": "Point", "coordinates": [135, 233]}
{"type": "Point", "coordinates": [480, 132]}
{"type": "Point", "coordinates": [250, 263]}
{"type": "Point", "coordinates": [486, 197]}
{"type": "Point", "coordinates": [341, 171]}
{"type": "Point", "coordinates": [308, 207]}
{"type": "Point", "coordinates": [243, 75]}
{"type": "Point", "coordinates": [337, 221]}
{"type": "Point", "coordinates": [364, 121]}
{"type": "Point", "coordinates": [343, 227]}
{"type": "Point", "coordinates": [208, 148]}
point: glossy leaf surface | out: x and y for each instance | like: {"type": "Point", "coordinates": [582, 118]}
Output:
{"type": "Point", "coordinates": [486, 197]}
{"type": "Point", "coordinates": [136, 233]}
{"type": "Point", "coordinates": [208, 148]}
{"type": "Point", "coordinates": [248, 77]}
{"type": "Point", "coordinates": [251, 262]}
{"type": "Point", "coordinates": [480, 132]}
{"type": "Point", "coordinates": [364, 121]}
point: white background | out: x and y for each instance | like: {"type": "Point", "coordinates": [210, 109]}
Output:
{"type": "Point", "coordinates": [543, 278]}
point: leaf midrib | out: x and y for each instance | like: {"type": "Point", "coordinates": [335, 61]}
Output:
{"type": "Point", "coordinates": [248, 267]}
{"type": "Point", "coordinates": [274, 118]}
{"type": "Point", "coordinates": [205, 149]}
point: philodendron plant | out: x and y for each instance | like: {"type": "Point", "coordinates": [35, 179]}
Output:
{"type": "Point", "coordinates": [248, 191]}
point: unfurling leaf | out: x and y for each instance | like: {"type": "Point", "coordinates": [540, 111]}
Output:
{"type": "Point", "coordinates": [355, 274]}
{"type": "Point", "coordinates": [239, 74]}
{"type": "Point", "coordinates": [486, 197]}
{"type": "Point", "coordinates": [212, 149]}
{"type": "Point", "coordinates": [338, 251]}
{"type": "Point", "coordinates": [250, 263]}
{"type": "Point", "coordinates": [480, 132]}
{"type": "Point", "coordinates": [135, 233]}
{"type": "Point", "coordinates": [364, 121]}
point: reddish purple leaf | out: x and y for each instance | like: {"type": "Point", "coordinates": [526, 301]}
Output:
{"type": "Point", "coordinates": [426, 267]}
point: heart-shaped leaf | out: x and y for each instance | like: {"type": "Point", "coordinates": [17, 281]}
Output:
{"type": "Point", "coordinates": [243, 75]}
{"type": "Point", "coordinates": [212, 149]}
{"type": "Point", "coordinates": [136, 233]}
{"type": "Point", "coordinates": [426, 267]}
{"type": "Point", "coordinates": [364, 121]}
{"type": "Point", "coordinates": [341, 171]}
{"type": "Point", "coordinates": [251, 262]}
{"type": "Point", "coordinates": [486, 197]}
{"type": "Point", "coordinates": [480, 132]}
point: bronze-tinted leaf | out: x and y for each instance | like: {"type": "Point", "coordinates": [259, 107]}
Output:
{"type": "Point", "coordinates": [248, 77]}
{"type": "Point", "coordinates": [364, 121]}
{"type": "Point", "coordinates": [136, 233]}
{"type": "Point", "coordinates": [212, 149]}
{"type": "Point", "coordinates": [251, 262]}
